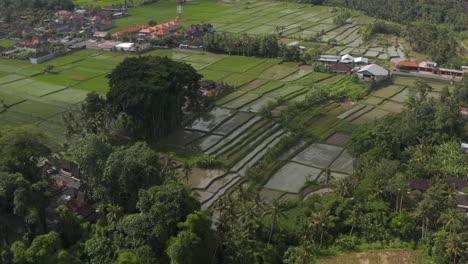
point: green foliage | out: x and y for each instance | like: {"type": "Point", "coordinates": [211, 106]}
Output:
{"type": "Point", "coordinates": [245, 45]}
{"type": "Point", "coordinates": [181, 249]}
{"type": "Point", "coordinates": [403, 224]}
{"type": "Point", "coordinates": [342, 17]}
{"type": "Point", "coordinates": [151, 91]}
{"type": "Point", "coordinates": [322, 67]}
{"type": "Point", "coordinates": [21, 148]}
{"type": "Point", "coordinates": [436, 41]}
{"type": "Point", "coordinates": [206, 161]}
{"type": "Point", "coordinates": [346, 242]}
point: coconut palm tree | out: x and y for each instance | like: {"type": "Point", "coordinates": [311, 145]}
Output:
{"type": "Point", "coordinates": [320, 220]}
{"type": "Point", "coordinates": [276, 212]}
{"type": "Point", "coordinates": [454, 246]}
{"type": "Point", "coordinates": [114, 213]}
{"type": "Point", "coordinates": [453, 219]}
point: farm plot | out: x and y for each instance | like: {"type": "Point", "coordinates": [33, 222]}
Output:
{"type": "Point", "coordinates": [351, 111]}
{"type": "Point", "coordinates": [344, 163]}
{"type": "Point", "coordinates": [213, 75]}
{"type": "Point", "coordinates": [67, 96]}
{"type": "Point", "coordinates": [206, 142]}
{"type": "Point", "coordinates": [280, 71]}
{"type": "Point", "coordinates": [37, 109]}
{"type": "Point", "coordinates": [10, 99]}
{"type": "Point", "coordinates": [253, 84]}
{"type": "Point", "coordinates": [182, 137]}
{"type": "Point", "coordinates": [268, 87]}
{"type": "Point", "coordinates": [359, 113]}
{"type": "Point", "coordinates": [373, 100]}
{"type": "Point", "coordinates": [210, 120]}
{"type": "Point", "coordinates": [10, 78]}
{"type": "Point", "coordinates": [291, 177]}
{"type": "Point", "coordinates": [202, 178]}
{"type": "Point", "coordinates": [338, 139]}
{"type": "Point", "coordinates": [12, 118]}
{"type": "Point", "coordinates": [318, 155]}
{"type": "Point", "coordinates": [297, 75]}
{"type": "Point", "coordinates": [371, 116]}
{"type": "Point", "coordinates": [230, 97]}
{"type": "Point", "coordinates": [242, 100]}
{"type": "Point", "coordinates": [401, 96]}
{"type": "Point", "coordinates": [31, 87]}
{"type": "Point", "coordinates": [388, 91]}
{"type": "Point", "coordinates": [285, 90]}
{"type": "Point", "coordinates": [239, 79]}
{"type": "Point", "coordinates": [314, 77]}
{"type": "Point", "coordinates": [392, 107]}
{"type": "Point", "coordinates": [98, 84]}
{"type": "Point", "coordinates": [257, 105]}
{"type": "Point", "coordinates": [236, 121]}
{"type": "Point", "coordinates": [269, 195]}
{"type": "Point", "coordinates": [236, 64]}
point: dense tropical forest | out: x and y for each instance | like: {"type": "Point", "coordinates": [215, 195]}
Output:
{"type": "Point", "coordinates": [148, 214]}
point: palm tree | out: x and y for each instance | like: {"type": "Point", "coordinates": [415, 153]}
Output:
{"type": "Point", "coordinates": [328, 176]}
{"type": "Point", "coordinates": [114, 213]}
{"type": "Point", "coordinates": [342, 187]}
{"type": "Point", "coordinates": [354, 218]}
{"type": "Point", "coordinates": [454, 246]}
{"type": "Point", "coordinates": [320, 220]}
{"type": "Point", "coordinates": [186, 170]}
{"type": "Point", "coordinates": [276, 213]}
{"type": "Point", "coordinates": [453, 219]}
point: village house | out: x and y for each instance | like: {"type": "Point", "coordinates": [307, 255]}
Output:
{"type": "Point", "coordinates": [101, 34]}
{"type": "Point", "coordinates": [127, 31]}
{"type": "Point", "coordinates": [104, 25]}
{"type": "Point", "coordinates": [428, 67]}
{"type": "Point", "coordinates": [373, 72]}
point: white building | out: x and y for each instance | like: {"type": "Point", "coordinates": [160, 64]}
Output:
{"type": "Point", "coordinates": [361, 61]}
{"type": "Point", "coordinates": [373, 71]}
{"type": "Point", "coordinates": [125, 46]}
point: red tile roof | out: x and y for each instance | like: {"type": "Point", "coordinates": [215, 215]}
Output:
{"type": "Point", "coordinates": [407, 64]}
{"type": "Point", "coordinates": [126, 31]}
{"type": "Point", "coordinates": [30, 43]}
{"type": "Point", "coordinates": [106, 22]}
{"type": "Point", "coordinates": [74, 205]}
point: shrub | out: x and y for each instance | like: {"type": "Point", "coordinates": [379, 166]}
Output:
{"type": "Point", "coordinates": [347, 242]}
{"type": "Point", "coordinates": [206, 161]}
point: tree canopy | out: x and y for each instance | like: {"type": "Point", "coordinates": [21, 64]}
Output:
{"type": "Point", "coordinates": [152, 91]}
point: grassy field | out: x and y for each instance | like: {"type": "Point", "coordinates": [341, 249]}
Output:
{"type": "Point", "coordinates": [7, 43]}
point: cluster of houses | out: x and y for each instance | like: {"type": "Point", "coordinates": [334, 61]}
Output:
{"type": "Point", "coordinates": [429, 68]}
{"type": "Point", "coordinates": [348, 64]}
{"type": "Point", "coordinates": [68, 187]}
{"type": "Point", "coordinates": [57, 33]}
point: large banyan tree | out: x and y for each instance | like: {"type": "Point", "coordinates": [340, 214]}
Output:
{"type": "Point", "coordinates": [151, 91]}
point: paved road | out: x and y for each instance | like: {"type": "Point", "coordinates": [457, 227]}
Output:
{"type": "Point", "coordinates": [422, 75]}
{"type": "Point", "coordinates": [41, 100]}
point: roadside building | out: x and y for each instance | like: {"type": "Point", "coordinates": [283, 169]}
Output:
{"type": "Point", "coordinates": [105, 25]}
{"type": "Point", "coordinates": [125, 47]}
{"type": "Point", "coordinates": [373, 72]}
{"type": "Point", "coordinates": [127, 31]}
{"type": "Point", "coordinates": [346, 59]}
{"type": "Point", "coordinates": [341, 68]}
{"type": "Point", "coordinates": [360, 61]}
{"type": "Point", "coordinates": [408, 65]}
{"type": "Point", "coordinates": [100, 34]}
{"type": "Point", "coordinates": [329, 58]}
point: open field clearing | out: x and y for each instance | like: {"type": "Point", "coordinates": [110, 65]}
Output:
{"type": "Point", "coordinates": [402, 256]}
